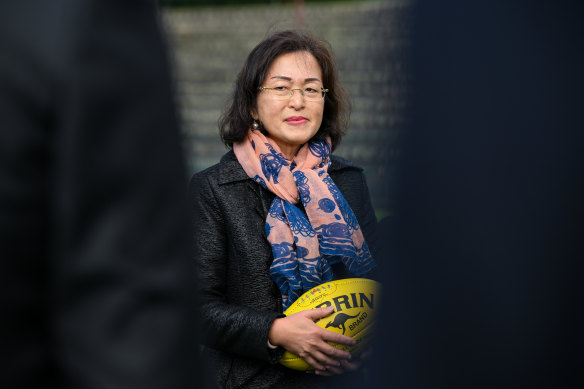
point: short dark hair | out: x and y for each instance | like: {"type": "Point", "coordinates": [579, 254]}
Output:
{"type": "Point", "coordinates": [236, 120]}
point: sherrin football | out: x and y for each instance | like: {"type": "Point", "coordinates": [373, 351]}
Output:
{"type": "Point", "coordinates": [355, 301]}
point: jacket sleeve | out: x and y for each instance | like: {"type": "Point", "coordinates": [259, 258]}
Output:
{"type": "Point", "coordinates": [227, 327]}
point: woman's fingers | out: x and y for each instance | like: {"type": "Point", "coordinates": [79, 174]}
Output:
{"type": "Point", "coordinates": [313, 362]}
{"type": "Point", "coordinates": [321, 355]}
{"type": "Point", "coordinates": [323, 372]}
{"type": "Point", "coordinates": [319, 361]}
{"type": "Point", "coordinates": [338, 338]}
{"type": "Point", "coordinates": [299, 334]}
{"type": "Point", "coordinates": [335, 352]}
{"type": "Point", "coordinates": [324, 360]}
{"type": "Point", "coordinates": [330, 370]}
{"type": "Point", "coordinates": [345, 366]}
{"type": "Point", "coordinates": [318, 313]}
{"type": "Point", "coordinates": [351, 365]}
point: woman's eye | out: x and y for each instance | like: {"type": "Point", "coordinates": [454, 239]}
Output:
{"type": "Point", "coordinates": [311, 90]}
{"type": "Point", "coordinates": [280, 88]}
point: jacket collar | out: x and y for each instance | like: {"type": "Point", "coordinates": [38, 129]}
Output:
{"type": "Point", "coordinates": [232, 171]}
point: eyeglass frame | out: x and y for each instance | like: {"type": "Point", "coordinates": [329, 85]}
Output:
{"type": "Point", "coordinates": [322, 89]}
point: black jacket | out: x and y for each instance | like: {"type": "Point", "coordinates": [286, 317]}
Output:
{"type": "Point", "coordinates": [239, 298]}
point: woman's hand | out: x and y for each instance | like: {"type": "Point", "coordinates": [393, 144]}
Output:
{"type": "Point", "coordinates": [299, 334]}
{"type": "Point", "coordinates": [346, 366]}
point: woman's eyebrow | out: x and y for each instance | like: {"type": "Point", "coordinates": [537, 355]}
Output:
{"type": "Point", "coordinates": [289, 79]}
{"type": "Point", "coordinates": [283, 78]}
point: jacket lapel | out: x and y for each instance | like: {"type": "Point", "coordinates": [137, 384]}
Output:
{"type": "Point", "coordinates": [231, 171]}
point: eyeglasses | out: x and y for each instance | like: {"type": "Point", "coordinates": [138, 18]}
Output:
{"type": "Point", "coordinates": [284, 92]}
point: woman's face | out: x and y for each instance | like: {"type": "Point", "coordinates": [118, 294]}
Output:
{"type": "Point", "coordinates": [293, 121]}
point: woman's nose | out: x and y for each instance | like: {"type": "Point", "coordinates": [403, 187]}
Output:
{"type": "Point", "coordinates": [296, 99]}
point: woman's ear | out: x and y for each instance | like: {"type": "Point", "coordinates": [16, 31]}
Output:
{"type": "Point", "coordinates": [254, 114]}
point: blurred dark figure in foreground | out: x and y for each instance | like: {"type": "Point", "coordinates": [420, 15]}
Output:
{"type": "Point", "coordinates": [482, 288]}
{"type": "Point", "coordinates": [95, 270]}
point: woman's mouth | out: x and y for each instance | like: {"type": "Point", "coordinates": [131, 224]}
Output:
{"type": "Point", "coordinates": [295, 120]}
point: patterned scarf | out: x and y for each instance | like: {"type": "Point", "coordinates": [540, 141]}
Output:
{"type": "Point", "coordinates": [304, 248]}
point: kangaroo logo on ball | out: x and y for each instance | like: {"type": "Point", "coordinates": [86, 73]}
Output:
{"type": "Point", "coordinates": [340, 320]}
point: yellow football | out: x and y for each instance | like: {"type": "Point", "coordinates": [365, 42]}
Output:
{"type": "Point", "coordinates": [355, 301]}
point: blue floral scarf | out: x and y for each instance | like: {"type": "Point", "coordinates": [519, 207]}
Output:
{"type": "Point", "coordinates": [304, 247]}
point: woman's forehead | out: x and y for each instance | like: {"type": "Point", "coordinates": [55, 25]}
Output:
{"type": "Point", "coordinates": [295, 66]}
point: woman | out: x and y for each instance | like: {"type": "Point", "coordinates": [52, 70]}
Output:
{"type": "Point", "coordinates": [277, 216]}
